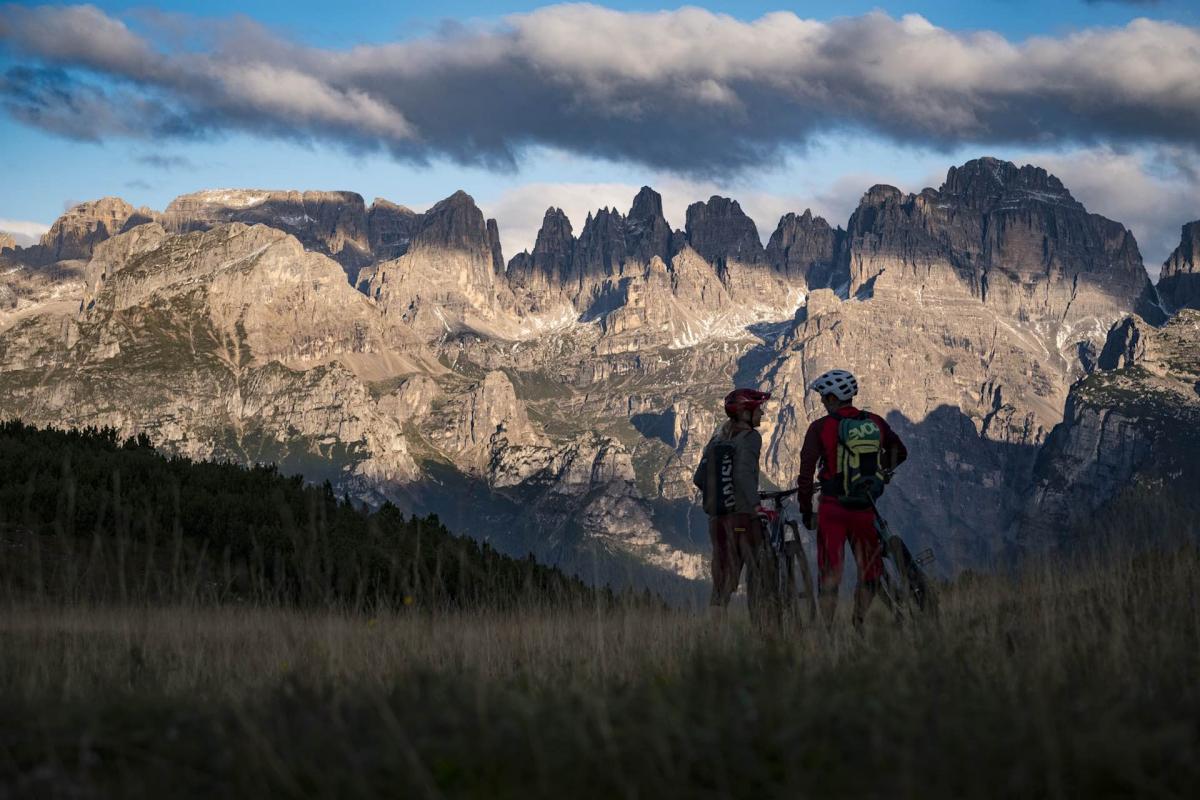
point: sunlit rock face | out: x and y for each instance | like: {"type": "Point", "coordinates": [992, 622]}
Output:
{"type": "Point", "coordinates": [334, 223]}
{"type": "Point", "coordinates": [1132, 425]}
{"type": "Point", "coordinates": [558, 403]}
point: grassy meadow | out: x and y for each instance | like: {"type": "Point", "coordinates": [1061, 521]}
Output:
{"type": "Point", "coordinates": [183, 629]}
{"type": "Point", "coordinates": [1061, 681]}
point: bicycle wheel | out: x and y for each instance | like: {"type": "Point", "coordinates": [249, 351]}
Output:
{"type": "Point", "coordinates": [915, 587]}
{"type": "Point", "coordinates": [799, 591]}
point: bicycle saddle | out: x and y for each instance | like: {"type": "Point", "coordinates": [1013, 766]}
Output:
{"type": "Point", "coordinates": [776, 495]}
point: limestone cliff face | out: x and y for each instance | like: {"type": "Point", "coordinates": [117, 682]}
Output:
{"type": "Point", "coordinates": [76, 233]}
{"type": "Point", "coordinates": [1129, 426]}
{"type": "Point", "coordinates": [545, 278]}
{"type": "Point", "coordinates": [646, 286]}
{"type": "Point", "coordinates": [485, 420]}
{"type": "Point", "coordinates": [1179, 281]}
{"type": "Point", "coordinates": [722, 233]}
{"type": "Point", "coordinates": [390, 229]}
{"type": "Point", "coordinates": [446, 281]}
{"type": "Point", "coordinates": [234, 342]}
{"type": "Point", "coordinates": [803, 248]}
{"type": "Point", "coordinates": [334, 223]}
{"type": "Point", "coordinates": [1013, 238]}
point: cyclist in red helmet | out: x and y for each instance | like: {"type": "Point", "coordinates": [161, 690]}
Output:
{"type": "Point", "coordinates": [728, 478]}
{"type": "Point", "coordinates": [854, 449]}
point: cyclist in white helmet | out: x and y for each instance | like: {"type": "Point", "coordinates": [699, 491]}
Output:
{"type": "Point", "coordinates": [852, 448]}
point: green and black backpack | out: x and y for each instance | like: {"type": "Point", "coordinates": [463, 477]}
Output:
{"type": "Point", "coordinates": [859, 480]}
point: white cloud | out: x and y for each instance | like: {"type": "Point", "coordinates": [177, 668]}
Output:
{"type": "Point", "coordinates": [689, 91]}
{"type": "Point", "coordinates": [24, 232]}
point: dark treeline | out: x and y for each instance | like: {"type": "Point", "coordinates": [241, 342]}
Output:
{"type": "Point", "coordinates": [86, 516]}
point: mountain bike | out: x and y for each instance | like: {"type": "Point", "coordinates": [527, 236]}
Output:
{"type": "Point", "coordinates": [904, 587]}
{"type": "Point", "coordinates": [789, 560]}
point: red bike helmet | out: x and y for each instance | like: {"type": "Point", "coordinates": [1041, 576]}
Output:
{"type": "Point", "coordinates": [740, 400]}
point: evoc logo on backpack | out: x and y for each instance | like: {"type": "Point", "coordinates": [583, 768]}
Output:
{"type": "Point", "coordinates": [860, 444]}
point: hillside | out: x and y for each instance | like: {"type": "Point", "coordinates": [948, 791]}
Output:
{"type": "Point", "coordinates": [87, 517]}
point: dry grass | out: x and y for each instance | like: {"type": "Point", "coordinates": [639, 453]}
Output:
{"type": "Point", "coordinates": [1064, 681]}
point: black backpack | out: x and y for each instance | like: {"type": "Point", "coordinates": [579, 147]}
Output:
{"type": "Point", "coordinates": [717, 466]}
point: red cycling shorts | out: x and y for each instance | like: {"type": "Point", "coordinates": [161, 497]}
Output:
{"type": "Point", "coordinates": [836, 525]}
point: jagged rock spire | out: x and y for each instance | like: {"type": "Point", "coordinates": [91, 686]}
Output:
{"type": "Point", "coordinates": [721, 232]}
{"type": "Point", "coordinates": [1179, 282]}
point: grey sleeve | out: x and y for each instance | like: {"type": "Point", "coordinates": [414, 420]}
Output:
{"type": "Point", "coordinates": [746, 471]}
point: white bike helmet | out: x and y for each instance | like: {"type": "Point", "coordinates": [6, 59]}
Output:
{"type": "Point", "coordinates": [837, 382]}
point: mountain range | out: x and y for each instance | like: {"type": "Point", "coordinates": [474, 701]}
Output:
{"type": "Point", "coordinates": [557, 402]}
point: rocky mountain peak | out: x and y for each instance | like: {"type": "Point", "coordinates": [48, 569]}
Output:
{"type": "Point", "coordinates": [455, 223]}
{"type": "Point", "coordinates": [76, 233]}
{"type": "Point", "coordinates": [601, 247]}
{"type": "Point", "coordinates": [647, 204]}
{"type": "Point", "coordinates": [881, 193]}
{"type": "Point", "coordinates": [550, 263]}
{"type": "Point", "coordinates": [720, 232]}
{"type": "Point", "coordinates": [334, 223]}
{"type": "Point", "coordinates": [987, 182]}
{"type": "Point", "coordinates": [803, 248]}
{"type": "Point", "coordinates": [1179, 282]}
{"type": "Point", "coordinates": [647, 233]}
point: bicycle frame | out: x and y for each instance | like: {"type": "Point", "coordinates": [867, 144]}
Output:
{"type": "Point", "coordinates": [787, 554]}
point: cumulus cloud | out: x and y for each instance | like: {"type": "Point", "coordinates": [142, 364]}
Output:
{"type": "Point", "coordinates": [689, 91]}
{"type": "Point", "coordinates": [24, 232]}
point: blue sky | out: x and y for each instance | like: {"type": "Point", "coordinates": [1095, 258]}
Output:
{"type": "Point", "coordinates": [1144, 179]}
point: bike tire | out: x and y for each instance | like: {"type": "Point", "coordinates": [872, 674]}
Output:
{"type": "Point", "coordinates": [800, 590]}
{"type": "Point", "coordinates": [918, 591]}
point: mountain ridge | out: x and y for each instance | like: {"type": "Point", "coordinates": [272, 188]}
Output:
{"type": "Point", "coordinates": [573, 386]}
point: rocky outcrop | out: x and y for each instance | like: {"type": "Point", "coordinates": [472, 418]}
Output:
{"type": "Point", "coordinates": [1013, 238]}
{"type": "Point", "coordinates": [1136, 425]}
{"type": "Point", "coordinates": [485, 420]}
{"type": "Point", "coordinates": [803, 248]}
{"type": "Point", "coordinates": [7, 242]}
{"type": "Point", "coordinates": [334, 223]}
{"type": "Point", "coordinates": [610, 246]}
{"type": "Point", "coordinates": [390, 229]}
{"type": "Point", "coordinates": [546, 275]}
{"type": "Point", "coordinates": [647, 234]}
{"type": "Point", "coordinates": [722, 233]}
{"type": "Point", "coordinates": [76, 233]}
{"type": "Point", "coordinates": [1179, 281]}
{"type": "Point", "coordinates": [446, 282]}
